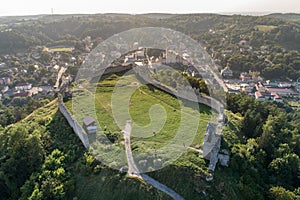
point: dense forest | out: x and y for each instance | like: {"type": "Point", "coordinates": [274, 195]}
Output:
{"type": "Point", "coordinates": [265, 145]}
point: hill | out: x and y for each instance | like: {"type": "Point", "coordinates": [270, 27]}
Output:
{"type": "Point", "coordinates": [286, 16]}
{"type": "Point", "coordinates": [42, 158]}
{"type": "Point", "coordinates": [19, 33]}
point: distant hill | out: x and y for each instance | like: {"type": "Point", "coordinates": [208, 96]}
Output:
{"type": "Point", "coordinates": [286, 16]}
{"type": "Point", "coordinates": [20, 33]}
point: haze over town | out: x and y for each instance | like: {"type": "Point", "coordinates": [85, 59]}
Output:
{"type": "Point", "coordinates": [34, 7]}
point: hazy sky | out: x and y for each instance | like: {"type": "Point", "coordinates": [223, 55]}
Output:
{"type": "Point", "coordinates": [29, 7]}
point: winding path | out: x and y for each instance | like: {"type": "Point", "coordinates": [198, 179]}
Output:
{"type": "Point", "coordinates": [133, 170]}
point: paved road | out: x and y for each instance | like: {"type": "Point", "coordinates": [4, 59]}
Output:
{"type": "Point", "coordinates": [134, 171]}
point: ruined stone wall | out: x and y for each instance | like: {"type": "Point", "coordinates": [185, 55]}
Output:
{"type": "Point", "coordinates": [74, 124]}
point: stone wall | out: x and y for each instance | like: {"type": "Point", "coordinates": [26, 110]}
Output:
{"type": "Point", "coordinates": [79, 131]}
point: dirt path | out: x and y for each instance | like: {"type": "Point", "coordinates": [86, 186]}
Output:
{"type": "Point", "coordinates": [133, 170]}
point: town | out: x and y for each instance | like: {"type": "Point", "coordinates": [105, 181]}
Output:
{"type": "Point", "coordinates": [39, 72]}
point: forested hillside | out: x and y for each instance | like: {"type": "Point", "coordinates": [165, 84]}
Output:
{"type": "Point", "coordinates": [265, 44]}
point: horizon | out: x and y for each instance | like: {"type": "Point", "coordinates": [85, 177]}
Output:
{"type": "Point", "coordinates": [229, 7]}
{"type": "Point", "coordinates": [157, 13]}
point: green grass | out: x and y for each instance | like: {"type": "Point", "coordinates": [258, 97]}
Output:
{"type": "Point", "coordinates": [109, 184]}
{"type": "Point", "coordinates": [265, 28]}
{"type": "Point", "coordinates": [151, 110]}
{"type": "Point", "coordinates": [160, 121]}
{"type": "Point", "coordinates": [44, 112]}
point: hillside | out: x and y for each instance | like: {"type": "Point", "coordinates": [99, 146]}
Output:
{"type": "Point", "coordinates": [79, 173]}
{"type": "Point", "coordinates": [42, 158]}
{"type": "Point", "coordinates": [78, 176]}
{"type": "Point", "coordinates": [286, 16]}
{"type": "Point", "coordinates": [23, 32]}
{"type": "Point", "coordinates": [271, 43]}
{"type": "Point", "coordinates": [54, 163]}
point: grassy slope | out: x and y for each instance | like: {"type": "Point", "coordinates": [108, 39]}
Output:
{"type": "Point", "coordinates": [108, 184]}
{"type": "Point", "coordinates": [187, 174]}
{"type": "Point", "coordinates": [143, 103]}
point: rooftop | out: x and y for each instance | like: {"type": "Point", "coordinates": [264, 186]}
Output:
{"type": "Point", "coordinates": [88, 120]}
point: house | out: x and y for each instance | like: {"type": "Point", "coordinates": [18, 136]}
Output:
{"type": "Point", "coordinates": [186, 57]}
{"type": "Point", "coordinates": [271, 83]}
{"type": "Point", "coordinates": [21, 94]}
{"type": "Point", "coordinates": [3, 65]}
{"type": "Point", "coordinates": [89, 125]}
{"type": "Point", "coordinates": [285, 85]}
{"type": "Point", "coordinates": [260, 87]}
{"type": "Point", "coordinates": [170, 56]}
{"type": "Point", "coordinates": [276, 97]}
{"type": "Point", "coordinates": [226, 72]}
{"type": "Point", "coordinates": [285, 92]}
{"type": "Point", "coordinates": [245, 76]}
{"type": "Point", "coordinates": [265, 96]}
{"type": "Point", "coordinates": [245, 87]}
{"type": "Point", "coordinates": [129, 58]}
{"type": "Point", "coordinates": [23, 86]}
{"type": "Point", "coordinates": [5, 81]}
{"type": "Point", "coordinates": [259, 96]}
{"type": "Point", "coordinates": [140, 54]}
{"type": "Point", "coordinates": [226, 53]}
{"type": "Point", "coordinates": [55, 68]}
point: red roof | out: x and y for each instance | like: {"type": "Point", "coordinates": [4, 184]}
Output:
{"type": "Point", "coordinates": [281, 90]}
{"type": "Point", "coordinates": [258, 94]}
{"type": "Point", "coordinates": [22, 94]}
{"type": "Point", "coordinates": [23, 84]}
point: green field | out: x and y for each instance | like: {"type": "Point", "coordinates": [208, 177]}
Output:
{"type": "Point", "coordinates": [148, 107]}
{"type": "Point", "coordinates": [265, 28]}
{"type": "Point", "coordinates": [160, 122]}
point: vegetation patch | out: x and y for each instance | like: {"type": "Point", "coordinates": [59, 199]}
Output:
{"type": "Point", "coordinates": [265, 28]}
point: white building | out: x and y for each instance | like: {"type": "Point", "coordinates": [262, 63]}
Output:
{"type": "Point", "coordinates": [23, 86]}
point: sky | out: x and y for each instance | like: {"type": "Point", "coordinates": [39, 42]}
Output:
{"type": "Point", "coordinates": [34, 7]}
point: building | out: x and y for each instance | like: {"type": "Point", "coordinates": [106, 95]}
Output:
{"type": "Point", "coordinates": [89, 125]}
{"type": "Point", "coordinates": [244, 76]}
{"type": "Point", "coordinates": [5, 81]}
{"type": "Point", "coordinates": [23, 86]}
{"type": "Point", "coordinates": [285, 85]}
{"type": "Point", "coordinates": [21, 94]}
{"type": "Point", "coordinates": [226, 72]}
{"type": "Point", "coordinates": [3, 65]}
{"type": "Point", "coordinates": [140, 54]}
{"type": "Point", "coordinates": [284, 92]}
{"type": "Point", "coordinates": [129, 58]}
{"type": "Point", "coordinates": [55, 68]}
{"type": "Point", "coordinates": [265, 96]}
{"type": "Point", "coordinates": [245, 87]}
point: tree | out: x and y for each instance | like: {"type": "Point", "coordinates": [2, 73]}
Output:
{"type": "Point", "coordinates": [280, 193]}
{"type": "Point", "coordinates": [23, 153]}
